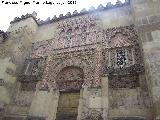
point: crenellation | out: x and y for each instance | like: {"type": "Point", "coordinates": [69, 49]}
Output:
{"type": "Point", "coordinates": [100, 64]}
{"type": "Point", "coordinates": [75, 13]}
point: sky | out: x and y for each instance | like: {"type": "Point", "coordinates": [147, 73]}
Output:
{"type": "Point", "coordinates": [9, 11]}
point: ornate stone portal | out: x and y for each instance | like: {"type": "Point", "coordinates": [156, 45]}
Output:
{"type": "Point", "coordinates": [84, 72]}
{"type": "Point", "coordinates": [74, 66]}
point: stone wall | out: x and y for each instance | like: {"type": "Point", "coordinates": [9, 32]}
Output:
{"type": "Point", "coordinates": [13, 52]}
{"type": "Point", "coordinates": [148, 25]}
{"type": "Point", "coordinates": [90, 42]}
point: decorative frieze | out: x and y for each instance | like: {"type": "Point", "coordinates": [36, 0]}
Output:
{"type": "Point", "coordinates": [134, 69]}
{"type": "Point", "coordinates": [124, 81]}
{"type": "Point", "coordinates": [71, 33]}
{"type": "Point", "coordinates": [77, 32]}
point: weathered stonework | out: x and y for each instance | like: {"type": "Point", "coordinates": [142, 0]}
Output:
{"type": "Point", "coordinates": [101, 64]}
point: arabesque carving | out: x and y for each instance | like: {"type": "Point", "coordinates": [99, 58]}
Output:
{"type": "Point", "coordinates": [89, 59]}
{"type": "Point", "coordinates": [70, 33]}
{"type": "Point", "coordinates": [120, 37]}
{"type": "Point", "coordinates": [124, 81]}
{"type": "Point", "coordinates": [70, 78]}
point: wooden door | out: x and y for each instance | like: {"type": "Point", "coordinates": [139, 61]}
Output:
{"type": "Point", "coordinates": [68, 106]}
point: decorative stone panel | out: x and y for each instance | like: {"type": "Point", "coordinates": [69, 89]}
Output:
{"type": "Point", "coordinates": [70, 33]}
{"type": "Point", "coordinates": [70, 78]}
{"type": "Point", "coordinates": [84, 59]}
{"type": "Point", "coordinates": [124, 81]}
{"type": "Point", "coordinates": [92, 115]}
{"type": "Point", "coordinates": [134, 69]}
{"type": "Point", "coordinates": [87, 69]}
{"type": "Point", "coordinates": [122, 44]}
{"type": "Point", "coordinates": [120, 37]}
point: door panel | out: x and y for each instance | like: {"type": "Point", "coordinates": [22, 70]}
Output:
{"type": "Point", "coordinates": [68, 106]}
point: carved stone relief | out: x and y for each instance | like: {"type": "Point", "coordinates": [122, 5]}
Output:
{"type": "Point", "coordinates": [70, 33]}
{"type": "Point", "coordinates": [84, 59]}
{"type": "Point", "coordinates": [120, 37]}
{"type": "Point", "coordinates": [124, 81]}
{"type": "Point", "coordinates": [115, 38]}
{"type": "Point", "coordinates": [119, 40]}
{"type": "Point", "coordinates": [70, 78]}
{"type": "Point", "coordinates": [88, 77]}
{"type": "Point", "coordinates": [122, 44]}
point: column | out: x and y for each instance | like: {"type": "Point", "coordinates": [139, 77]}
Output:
{"type": "Point", "coordinates": [105, 100]}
